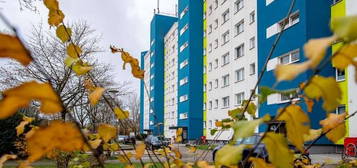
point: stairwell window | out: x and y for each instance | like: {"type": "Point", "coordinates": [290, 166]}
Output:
{"type": "Point", "coordinates": [252, 69]}
{"type": "Point", "coordinates": [184, 81]}
{"type": "Point", "coordinates": [183, 63]}
{"type": "Point", "coordinates": [216, 43]}
{"type": "Point", "coordinates": [183, 29]}
{"type": "Point", "coordinates": [210, 105]}
{"type": "Point", "coordinates": [216, 83]}
{"type": "Point", "coordinates": [216, 63]}
{"type": "Point", "coordinates": [215, 4]}
{"type": "Point", "coordinates": [216, 24]}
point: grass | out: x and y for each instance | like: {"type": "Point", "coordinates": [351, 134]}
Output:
{"type": "Point", "coordinates": [108, 165]}
{"type": "Point", "coordinates": [206, 147]}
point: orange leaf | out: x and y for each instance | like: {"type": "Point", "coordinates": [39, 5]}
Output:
{"type": "Point", "coordinates": [20, 128]}
{"type": "Point", "coordinates": [11, 47]}
{"type": "Point", "coordinates": [51, 4]}
{"type": "Point", "coordinates": [55, 17]}
{"type": "Point", "coordinates": [96, 95]}
{"type": "Point", "coordinates": [309, 103]}
{"type": "Point", "coordinates": [73, 50]}
{"type": "Point", "coordinates": [6, 157]}
{"type": "Point", "coordinates": [64, 34]}
{"type": "Point", "coordinates": [10, 105]}
{"type": "Point", "coordinates": [140, 149]}
{"type": "Point", "coordinates": [107, 132]}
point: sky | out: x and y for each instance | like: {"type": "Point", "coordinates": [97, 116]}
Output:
{"type": "Point", "coordinates": [123, 23]}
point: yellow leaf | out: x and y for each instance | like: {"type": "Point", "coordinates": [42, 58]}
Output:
{"type": "Point", "coordinates": [137, 72]}
{"type": "Point", "coordinates": [112, 147]}
{"type": "Point", "coordinates": [121, 114]}
{"type": "Point", "coordinates": [260, 163]}
{"type": "Point", "coordinates": [95, 96]}
{"type": "Point", "coordinates": [124, 158]}
{"type": "Point", "coordinates": [204, 164]}
{"type": "Point", "coordinates": [279, 153]}
{"type": "Point", "coordinates": [315, 49]}
{"type": "Point", "coordinates": [73, 50]}
{"type": "Point", "coordinates": [345, 27]}
{"type": "Point", "coordinates": [11, 47]}
{"type": "Point", "coordinates": [52, 137]}
{"type": "Point", "coordinates": [95, 143]}
{"type": "Point", "coordinates": [55, 17]}
{"type": "Point", "coordinates": [179, 131]}
{"type": "Point", "coordinates": [20, 128]}
{"type": "Point", "coordinates": [127, 58]}
{"type": "Point", "coordinates": [6, 157]}
{"type": "Point", "coordinates": [88, 84]}
{"type": "Point", "coordinates": [327, 88]}
{"type": "Point", "coordinates": [107, 132]}
{"type": "Point", "coordinates": [345, 57]}
{"type": "Point", "coordinates": [51, 4]}
{"type": "Point", "coordinates": [335, 123]}
{"type": "Point", "coordinates": [81, 68]}
{"type": "Point", "coordinates": [139, 151]}
{"type": "Point", "coordinates": [243, 128]}
{"type": "Point", "coordinates": [297, 125]}
{"type": "Point", "coordinates": [63, 33]}
{"type": "Point", "coordinates": [290, 71]}
{"type": "Point", "coordinates": [69, 61]}
{"type": "Point", "coordinates": [178, 139]}
{"type": "Point", "coordinates": [176, 151]}
{"type": "Point", "coordinates": [192, 149]}
{"type": "Point", "coordinates": [229, 155]}
{"type": "Point", "coordinates": [309, 104]}
{"type": "Point", "coordinates": [313, 134]}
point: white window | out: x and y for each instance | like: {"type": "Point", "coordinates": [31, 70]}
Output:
{"type": "Point", "coordinates": [239, 51]}
{"type": "Point", "coordinates": [225, 37]}
{"type": "Point", "coordinates": [152, 65]}
{"type": "Point", "coordinates": [240, 74]}
{"type": "Point", "coordinates": [252, 17]}
{"type": "Point", "coordinates": [252, 43]}
{"type": "Point", "coordinates": [239, 27]}
{"type": "Point", "coordinates": [183, 13]}
{"type": "Point", "coordinates": [216, 63]}
{"type": "Point", "coordinates": [210, 47]}
{"type": "Point", "coordinates": [216, 43]}
{"type": "Point", "coordinates": [183, 63]}
{"type": "Point", "coordinates": [151, 99]}
{"type": "Point", "coordinates": [151, 123]}
{"type": "Point", "coordinates": [239, 98]}
{"type": "Point", "coordinates": [152, 88]}
{"type": "Point", "coordinates": [184, 46]}
{"type": "Point", "coordinates": [252, 69]}
{"type": "Point", "coordinates": [210, 105]}
{"type": "Point", "coordinates": [225, 80]}
{"type": "Point", "coordinates": [210, 85]}
{"type": "Point", "coordinates": [225, 102]}
{"type": "Point", "coordinates": [216, 83]}
{"type": "Point", "coordinates": [210, 8]}
{"type": "Point", "coordinates": [210, 66]}
{"type": "Point", "coordinates": [216, 104]}
{"type": "Point", "coordinates": [215, 4]}
{"type": "Point", "coordinates": [238, 5]}
{"type": "Point", "coordinates": [216, 24]}
{"type": "Point", "coordinates": [184, 115]}
{"type": "Point", "coordinates": [225, 59]}
{"type": "Point", "coordinates": [210, 124]}
{"type": "Point", "coordinates": [340, 75]}
{"type": "Point", "coordinates": [225, 16]}
{"type": "Point", "coordinates": [289, 58]}
{"type": "Point", "coordinates": [183, 81]}
{"type": "Point", "coordinates": [152, 76]}
{"type": "Point", "coordinates": [290, 21]}
{"type": "Point", "coordinates": [183, 29]}
{"type": "Point", "coordinates": [183, 98]}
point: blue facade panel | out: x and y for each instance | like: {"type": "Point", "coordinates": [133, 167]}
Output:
{"type": "Point", "coordinates": [313, 23]}
{"type": "Point", "coordinates": [142, 91]}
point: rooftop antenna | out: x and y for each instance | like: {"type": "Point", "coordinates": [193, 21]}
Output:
{"type": "Point", "coordinates": [158, 6]}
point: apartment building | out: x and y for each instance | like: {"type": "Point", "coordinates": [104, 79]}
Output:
{"type": "Point", "coordinates": [231, 58]}
{"type": "Point", "coordinates": [309, 19]}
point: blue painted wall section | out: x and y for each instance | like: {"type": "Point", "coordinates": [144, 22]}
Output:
{"type": "Point", "coordinates": [142, 91]}
{"type": "Point", "coordinates": [194, 53]}
{"type": "Point", "coordinates": [313, 23]}
{"type": "Point", "coordinates": [160, 25]}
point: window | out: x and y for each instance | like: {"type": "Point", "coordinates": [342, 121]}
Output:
{"type": "Point", "coordinates": [210, 8]}
{"type": "Point", "coordinates": [225, 37]}
{"type": "Point", "coordinates": [287, 97]}
{"type": "Point", "coordinates": [210, 47]}
{"type": "Point", "coordinates": [210, 85]}
{"type": "Point", "coordinates": [225, 16]}
{"type": "Point", "coordinates": [225, 59]}
{"type": "Point", "coordinates": [151, 99]}
{"type": "Point", "coordinates": [225, 80]}
{"type": "Point", "coordinates": [336, 1]}
{"type": "Point", "coordinates": [183, 29]}
{"type": "Point", "coordinates": [210, 29]}
{"type": "Point", "coordinates": [216, 63]}
{"type": "Point", "coordinates": [183, 98]}
{"type": "Point", "coordinates": [341, 109]}
{"type": "Point", "coordinates": [223, 1]}
{"type": "Point", "coordinates": [152, 76]}
{"type": "Point", "coordinates": [210, 105]}
{"type": "Point", "coordinates": [289, 21]}
{"type": "Point", "coordinates": [252, 43]}
{"type": "Point", "coordinates": [225, 102]}
{"type": "Point", "coordinates": [184, 46]}
{"type": "Point", "coordinates": [215, 4]}
{"type": "Point", "coordinates": [210, 124]}
{"type": "Point", "coordinates": [183, 81]}
{"type": "Point", "coordinates": [204, 88]}
{"type": "Point", "coordinates": [183, 13]}
{"type": "Point", "coordinates": [216, 83]}
{"type": "Point", "coordinates": [289, 58]}
{"type": "Point", "coordinates": [238, 5]}
{"type": "Point", "coordinates": [216, 24]}
{"type": "Point", "coordinates": [239, 27]}
{"type": "Point", "coordinates": [216, 43]}
{"type": "Point", "coordinates": [252, 17]}
{"type": "Point", "coordinates": [152, 65]}
{"type": "Point", "coordinates": [183, 63]}
{"type": "Point", "coordinates": [216, 104]}
{"type": "Point", "coordinates": [240, 74]}
{"type": "Point", "coordinates": [252, 69]}
{"type": "Point", "coordinates": [210, 66]}
{"type": "Point", "coordinates": [239, 98]}
{"type": "Point", "coordinates": [239, 51]}
{"type": "Point", "coordinates": [340, 75]}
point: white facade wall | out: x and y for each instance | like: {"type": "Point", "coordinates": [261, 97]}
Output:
{"type": "Point", "coordinates": [170, 92]}
{"type": "Point", "coordinates": [146, 96]}
{"type": "Point", "coordinates": [235, 63]}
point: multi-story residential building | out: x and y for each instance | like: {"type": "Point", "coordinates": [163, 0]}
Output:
{"type": "Point", "coordinates": [231, 58]}
{"type": "Point", "coordinates": [170, 93]}
{"type": "Point", "coordinates": [304, 23]}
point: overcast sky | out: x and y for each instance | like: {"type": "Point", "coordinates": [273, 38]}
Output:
{"type": "Point", "coordinates": [123, 23]}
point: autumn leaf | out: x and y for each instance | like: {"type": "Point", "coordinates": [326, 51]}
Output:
{"type": "Point", "coordinates": [345, 57]}
{"type": "Point", "coordinates": [9, 106]}
{"type": "Point", "coordinates": [121, 114]}
{"type": "Point", "coordinates": [178, 139]}
{"type": "Point", "coordinates": [218, 124]}
{"type": "Point", "coordinates": [112, 147]}
{"type": "Point", "coordinates": [315, 49]}
{"type": "Point", "coordinates": [229, 155]}
{"type": "Point", "coordinates": [6, 157]}
{"type": "Point", "coordinates": [88, 84]}
{"type": "Point", "coordinates": [55, 17]}
{"type": "Point", "coordinates": [81, 68]}
{"type": "Point", "coordinates": [204, 164]}
{"type": "Point", "coordinates": [127, 58]}
{"type": "Point", "coordinates": [243, 128]}
{"type": "Point", "coordinates": [345, 27]}
{"type": "Point", "coordinates": [51, 4]}
{"type": "Point", "coordinates": [179, 131]}
{"type": "Point", "coordinates": [47, 139]}
{"type": "Point", "coordinates": [297, 125]}
{"type": "Point", "coordinates": [20, 128]}
{"type": "Point", "coordinates": [107, 132]}
{"type": "Point", "coordinates": [192, 149]}
{"type": "Point", "coordinates": [325, 88]}
{"type": "Point", "coordinates": [137, 72]}
{"type": "Point", "coordinates": [335, 123]}
{"type": "Point", "coordinates": [139, 151]}
{"type": "Point", "coordinates": [69, 61]}
{"type": "Point", "coordinates": [213, 131]}
{"type": "Point", "coordinates": [309, 104]}
{"type": "Point", "coordinates": [11, 47]}
{"type": "Point", "coordinates": [95, 143]}
{"type": "Point", "coordinates": [260, 163]}
{"type": "Point", "coordinates": [176, 151]}
{"type": "Point", "coordinates": [251, 107]}
{"type": "Point", "coordinates": [313, 134]}
{"type": "Point", "coordinates": [125, 158]}
{"type": "Point", "coordinates": [279, 153]}
{"type": "Point", "coordinates": [290, 71]}
{"type": "Point", "coordinates": [64, 33]}
{"type": "Point", "coordinates": [73, 50]}
{"type": "Point", "coordinates": [95, 96]}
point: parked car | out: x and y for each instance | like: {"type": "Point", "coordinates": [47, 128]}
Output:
{"type": "Point", "coordinates": [123, 139]}
{"type": "Point", "coordinates": [153, 142]}
{"type": "Point", "coordinates": [259, 152]}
